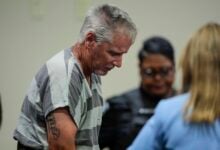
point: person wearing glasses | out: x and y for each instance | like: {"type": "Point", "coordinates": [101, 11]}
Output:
{"type": "Point", "coordinates": [191, 120]}
{"type": "Point", "coordinates": [125, 115]}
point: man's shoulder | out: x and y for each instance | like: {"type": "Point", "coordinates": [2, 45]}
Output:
{"type": "Point", "coordinates": [124, 97]}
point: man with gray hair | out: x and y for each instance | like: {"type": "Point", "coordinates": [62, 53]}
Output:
{"type": "Point", "coordinates": [63, 106]}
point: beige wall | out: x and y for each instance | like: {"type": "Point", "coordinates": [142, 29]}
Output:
{"type": "Point", "coordinates": [31, 31]}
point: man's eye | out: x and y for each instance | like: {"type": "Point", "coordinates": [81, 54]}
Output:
{"type": "Point", "coordinates": [113, 53]}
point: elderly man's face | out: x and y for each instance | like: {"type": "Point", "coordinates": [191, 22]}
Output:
{"type": "Point", "coordinates": [108, 55]}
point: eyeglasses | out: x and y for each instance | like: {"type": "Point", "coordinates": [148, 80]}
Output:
{"type": "Point", "coordinates": [152, 72]}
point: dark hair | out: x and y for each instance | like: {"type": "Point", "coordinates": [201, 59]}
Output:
{"type": "Point", "coordinates": [157, 45]}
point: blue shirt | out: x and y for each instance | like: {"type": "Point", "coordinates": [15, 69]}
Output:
{"type": "Point", "coordinates": [167, 129]}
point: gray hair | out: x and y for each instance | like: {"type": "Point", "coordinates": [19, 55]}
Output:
{"type": "Point", "coordinates": [104, 20]}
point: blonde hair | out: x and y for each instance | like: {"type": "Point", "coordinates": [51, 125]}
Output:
{"type": "Point", "coordinates": [200, 64]}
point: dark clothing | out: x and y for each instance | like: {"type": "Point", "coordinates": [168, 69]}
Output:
{"type": "Point", "coordinates": [124, 118]}
{"type": "Point", "coordinates": [23, 147]}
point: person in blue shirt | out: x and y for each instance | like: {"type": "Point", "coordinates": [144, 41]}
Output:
{"type": "Point", "coordinates": [190, 121]}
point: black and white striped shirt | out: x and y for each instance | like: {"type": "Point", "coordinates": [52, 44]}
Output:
{"type": "Point", "coordinates": [59, 83]}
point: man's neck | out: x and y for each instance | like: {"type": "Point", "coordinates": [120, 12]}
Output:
{"type": "Point", "coordinates": [83, 58]}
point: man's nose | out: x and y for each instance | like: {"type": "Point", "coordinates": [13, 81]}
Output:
{"type": "Point", "coordinates": [118, 62]}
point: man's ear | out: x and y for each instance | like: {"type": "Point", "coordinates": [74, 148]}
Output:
{"type": "Point", "coordinates": [90, 40]}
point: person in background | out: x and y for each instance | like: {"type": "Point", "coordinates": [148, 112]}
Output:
{"type": "Point", "coordinates": [63, 106]}
{"type": "Point", "coordinates": [190, 121]}
{"type": "Point", "coordinates": [128, 112]}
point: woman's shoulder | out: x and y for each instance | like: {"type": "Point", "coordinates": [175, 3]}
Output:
{"type": "Point", "coordinates": [175, 100]}
{"type": "Point", "coordinates": [172, 106]}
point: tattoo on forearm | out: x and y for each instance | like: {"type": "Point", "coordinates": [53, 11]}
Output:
{"type": "Point", "coordinates": [52, 127]}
